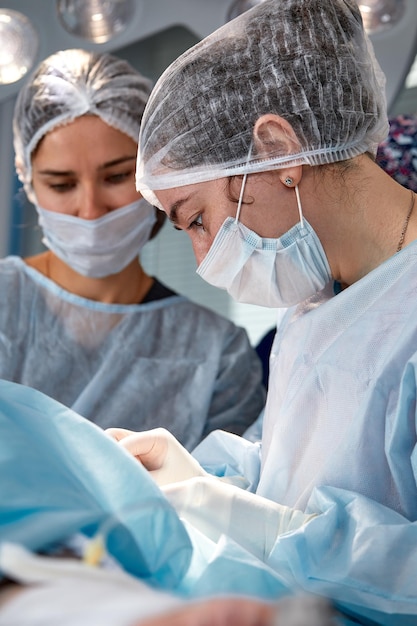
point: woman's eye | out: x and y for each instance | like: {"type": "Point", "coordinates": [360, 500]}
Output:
{"type": "Point", "coordinates": [115, 179]}
{"type": "Point", "coordinates": [197, 223]}
{"type": "Point", "coordinates": [62, 187]}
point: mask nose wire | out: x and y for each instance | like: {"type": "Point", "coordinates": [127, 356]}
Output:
{"type": "Point", "coordinates": [300, 210]}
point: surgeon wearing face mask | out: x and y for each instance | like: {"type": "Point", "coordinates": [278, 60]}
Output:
{"type": "Point", "coordinates": [270, 168]}
{"type": "Point", "coordinates": [82, 321]}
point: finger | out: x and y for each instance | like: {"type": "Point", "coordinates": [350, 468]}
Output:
{"type": "Point", "coordinates": [118, 433]}
{"type": "Point", "coordinates": [147, 447]}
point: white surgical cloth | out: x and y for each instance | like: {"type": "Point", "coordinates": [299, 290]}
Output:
{"type": "Point", "coordinates": [70, 593]}
{"type": "Point", "coordinates": [167, 362]}
{"type": "Point", "coordinates": [339, 439]}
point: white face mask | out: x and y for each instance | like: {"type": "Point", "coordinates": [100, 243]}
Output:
{"type": "Point", "coordinates": [99, 247]}
{"type": "Point", "coordinates": [267, 272]}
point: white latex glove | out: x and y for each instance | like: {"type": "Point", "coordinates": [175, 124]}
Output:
{"type": "Point", "coordinates": [215, 508]}
{"type": "Point", "coordinates": [160, 453]}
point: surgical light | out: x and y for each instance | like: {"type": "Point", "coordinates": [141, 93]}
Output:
{"type": "Point", "coordinates": [379, 15]}
{"type": "Point", "coordinates": [19, 45]}
{"type": "Point", "coordinates": [97, 21]}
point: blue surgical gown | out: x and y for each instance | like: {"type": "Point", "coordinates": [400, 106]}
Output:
{"type": "Point", "coordinates": [339, 439]}
{"type": "Point", "coordinates": [168, 362]}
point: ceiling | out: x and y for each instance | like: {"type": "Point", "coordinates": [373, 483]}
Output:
{"type": "Point", "coordinates": [146, 38]}
{"type": "Point", "coordinates": [150, 17]}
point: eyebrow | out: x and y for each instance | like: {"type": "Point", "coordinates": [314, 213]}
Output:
{"type": "Point", "coordinates": [118, 161]}
{"type": "Point", "coordinates": [174, 208]}
{"type": "Point", "coordinates": [123, 159]}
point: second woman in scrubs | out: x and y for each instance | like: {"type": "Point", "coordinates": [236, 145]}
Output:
{"type": "Point", "coordinates": [83, 322]}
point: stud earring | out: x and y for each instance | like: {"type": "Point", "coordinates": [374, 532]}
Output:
{"type": "Point", "coordinates": [288, 181]}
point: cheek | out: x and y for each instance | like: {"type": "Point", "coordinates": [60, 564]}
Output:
{"type": "Point", "coordinates": [120, 195]}
{"type": "Point", "coordinates": [201, 245]}
{"type": "Point", "coordinates": [46, 199]}
{"type": "Point", "coordinates": [202, 239]}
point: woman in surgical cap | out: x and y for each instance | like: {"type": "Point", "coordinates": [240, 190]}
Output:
{"type": "Point", "coordinates": [260, 143]}
{"type": "Point", "coordinates": [83, 322]}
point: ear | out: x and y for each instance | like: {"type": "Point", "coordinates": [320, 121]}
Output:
{"type": "Point", "coordinates": [273, 136]}
{"type": "Point", "coordinates": [19, 167]}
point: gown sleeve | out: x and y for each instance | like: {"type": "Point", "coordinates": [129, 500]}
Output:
{"type": "Point", "coordinates": [230, 457]}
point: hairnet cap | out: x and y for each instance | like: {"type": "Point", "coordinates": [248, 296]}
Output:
{"type": "Point", "coordinates": [71, 83]}
{"type": "Point", "coordinates": [308, 61]}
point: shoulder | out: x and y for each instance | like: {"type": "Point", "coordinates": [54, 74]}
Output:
{"type": "Point", "coordinates": [16, 288]}
{"type": "Point", "coordinates": [18, 279]}
{"type": "Point", "coordinates": [11, 266]}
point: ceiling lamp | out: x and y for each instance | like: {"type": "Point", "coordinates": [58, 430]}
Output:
{"type": "Point", "coordinates": [19, 46]}
{"type": "Point", "coordinates": [97, 21]}
{"type": "Point", "coordinates": [379, 15]}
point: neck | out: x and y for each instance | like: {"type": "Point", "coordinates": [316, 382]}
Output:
{"type": "Point", "coordinates": [127, 287]}
{"type": "Point", "coordinates": [368, 221]}
{"type": "Point", "coordinates": [406, 221]}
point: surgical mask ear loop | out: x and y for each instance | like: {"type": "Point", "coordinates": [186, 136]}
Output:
{"type": "Point", "coordinates": [239, 204]}
{"type": "Point", "coordinates": [300, 210]}
{"type": "Point", "coordinates": [242, 188]}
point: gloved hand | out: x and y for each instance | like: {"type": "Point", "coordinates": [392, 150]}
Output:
{"type": "Point", "coordinates": [215, 508]}
{"type": "Point", "coordinates": [160, 453]}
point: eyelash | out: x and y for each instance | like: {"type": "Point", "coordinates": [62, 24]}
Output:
{"type": "Point", "coordinates": [197, 223]}
{"type": "Point", "coordinates": [62, 187]}
{"type": "Point", "coordinates": [113, 179]}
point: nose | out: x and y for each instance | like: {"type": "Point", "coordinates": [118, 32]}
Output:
{"type": "Point", "coordinates": [91, 203]}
